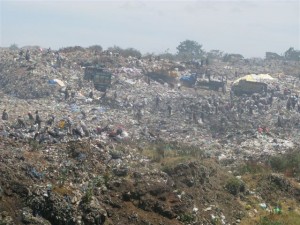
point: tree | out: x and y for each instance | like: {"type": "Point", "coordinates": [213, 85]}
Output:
{"type": "Point", "coordinates": [292, 54]}
{"type": "Point", "coordinates": [125, 52]}
{"type": "Point", "coordinates": [13, 47]}
{"type": "Point", "coordinates": [272, 55]}
{"type": "Point", "coordinates": [189, 50]}
{"type": "Point", "coordinates": [232, 57]}
{"type": "Point", "coordinates": [167, 56]}
{"type": "Point", "coordinates": [95, 48]}
{"type": "Point", "coordinates": [115, 49]}
{"type": "Point", "coordinates": [131, 52]}
{"type": "Point", "coordinates": [215, 54]}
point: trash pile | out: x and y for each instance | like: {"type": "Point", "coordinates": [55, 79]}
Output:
{"type": "Point", "coordinates": [83, 148]}
{"type": "Point", "coordinates": [52, 83]}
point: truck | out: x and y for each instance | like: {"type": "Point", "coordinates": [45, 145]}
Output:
{"type": "Point", "coordinates": [164, 76]}
{"type": "Point", "coordinates": [193, 80]}
{"type": "Point", "coordinates": [100, 77]}
{"type": "Point", "coordinates": [212, 84]}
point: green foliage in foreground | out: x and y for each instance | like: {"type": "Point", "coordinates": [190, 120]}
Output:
{"type": "Point", "coordinates": [288, 163]}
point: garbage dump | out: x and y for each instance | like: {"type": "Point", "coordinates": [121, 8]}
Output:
{"type": "Point", "coordinates": [79, 148]}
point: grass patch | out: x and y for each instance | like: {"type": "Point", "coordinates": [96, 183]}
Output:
{"type": "Point", "coordinates": [62, 190]}
{"type": "Point", "coordinates": [161, 150]}
{"type": "Point", "coordinates": [289, 218]}
{"type": "Point", "coordinates": [253, 167]}
{"type": "Point", "coordinates": [289, 164]}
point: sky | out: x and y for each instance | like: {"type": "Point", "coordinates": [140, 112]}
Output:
{"type": "Point", "coordinates": [250, 27]}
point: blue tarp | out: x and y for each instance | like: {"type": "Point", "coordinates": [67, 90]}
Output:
{"type": "Point", "coordinates": [52, 82]}
{"type": "Point", "coordinates": [190, 78]}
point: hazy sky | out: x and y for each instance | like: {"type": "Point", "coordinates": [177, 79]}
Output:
{"type": "Point", "coordinates": [247, 27]}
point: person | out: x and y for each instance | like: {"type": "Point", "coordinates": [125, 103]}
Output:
{"type": "Point", "coordinates": [194, 117]}
{"type": "Point", "coordinates": [4, 115]}
{"type": "Point", "coordinates": [103, 96]}
{"type": "Point", "coordinates": [84, 128]}
{"type": "Point", "coordinates": [202, 116]}
{"type": "Point", "coordinates": [270, 100]}
{"type": "Point", "coordinates": [21, 122]}
{"type": "Point", "coordinates": [30, 116]}
{"type": "Point", "coordinates": [69, 123]}
{"type": "Point", "coordinates": [38, 120]}
{"type": "Point", "coordinates": [67, 94]}
{"type": "Point", "coordinates": [50, 121]}
{"type": "Point", "coordinates": [294, 101]}
{"type": "Point", "coordinates": [91, 94]}
{"type": "Point", "coordinates": [289, 104]}
{"type": "Point", "coordinates": [73, 93]}
{"type": "Point", "coordinates": [139, 115]}
{"type": "Point", "coordinates": [80, 84]}
{"type": "Point", "coordinates": [27, 55]}
{"type": "Point", "coordinates": [148, 80]}
{"type": "Point", "coordinates": [169, 107]}
{"type": "Point", "coordinates": [279, 121]}
{"type": "Point", "coordinates": [21, 52]}
{"type": "Point", "coordinates": [83, 113]}
{"type": "Point", "coordinates": [157, 100]}
{"type": "Point", "coordinates": [179, 86]}
{"type": "Point", "coordinates": [31, 119]}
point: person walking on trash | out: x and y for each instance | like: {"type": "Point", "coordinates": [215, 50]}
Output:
{"type": "Point", "coordinates": [4, 115]}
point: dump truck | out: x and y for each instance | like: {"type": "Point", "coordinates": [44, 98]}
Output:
{"type": "Point", "coordinates": [164, 76]}
{"type": "Point", "coordinates": [213, 84]}
{"type": "Point", "coordinates": [193, 80]}
{"type": "Point", "coordinates": [100, 77]}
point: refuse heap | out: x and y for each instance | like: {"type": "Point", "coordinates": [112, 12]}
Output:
{"type": "Point", "coordinates": [103, 177]}
{"type": "Point", "coordinates": [193, 118]}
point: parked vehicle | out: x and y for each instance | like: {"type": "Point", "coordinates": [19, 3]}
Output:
{"type": "Point", "coordinates": [100, 77]}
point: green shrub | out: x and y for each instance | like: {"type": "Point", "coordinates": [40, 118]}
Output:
{"type": "Point", "coordinates": [235, 186]}
{"type": "Point", "coordinates": [87, 198]}
{"type": "Point", "coordinates": [289, 163]}
{"type": "Point", "coordinates": [187, 218]}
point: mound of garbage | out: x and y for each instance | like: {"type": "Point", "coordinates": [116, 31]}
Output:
{"type": "Point", "coordinates": [145, 151]}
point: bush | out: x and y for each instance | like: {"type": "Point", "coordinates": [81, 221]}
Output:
{"type": "Point", "coordinates": [289, 163]}
{"type": "Point", "coordinates": [187, 218]}
{"type": "Point", "coordinates": [234, 186]}
{"type": "Point", "coordinates": [278, 164]}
